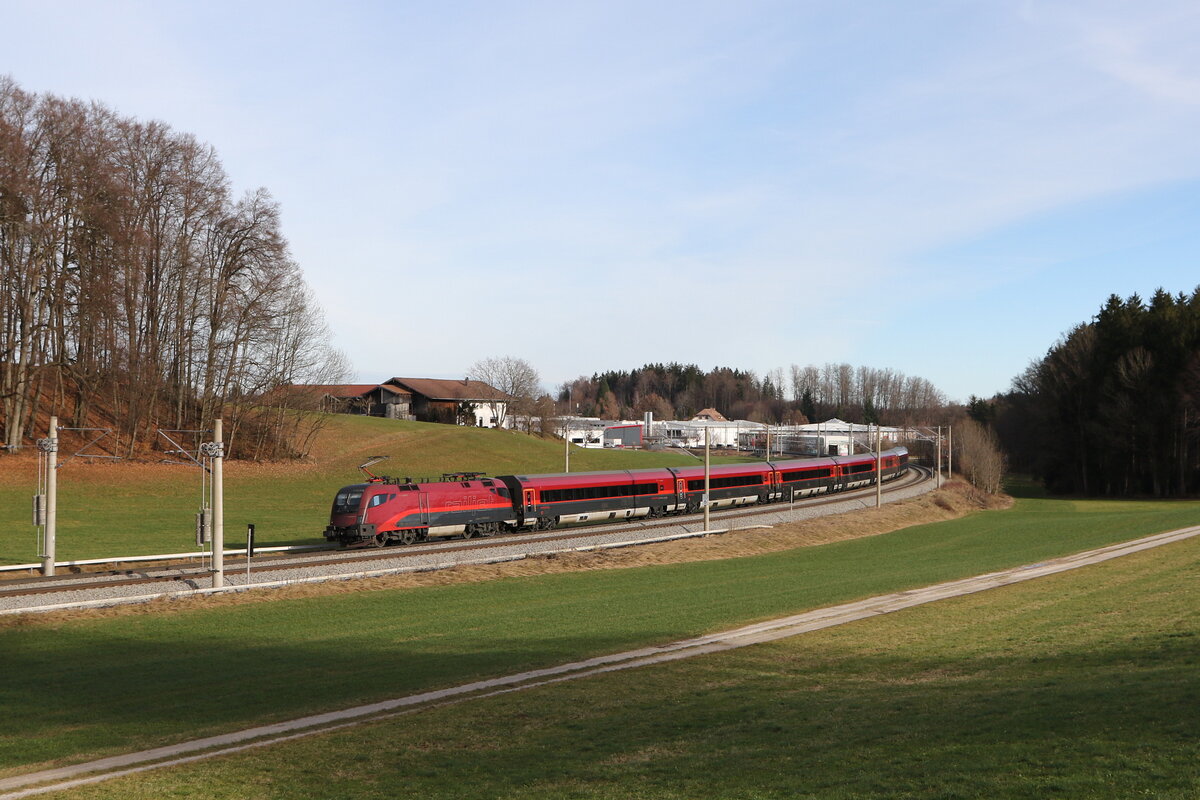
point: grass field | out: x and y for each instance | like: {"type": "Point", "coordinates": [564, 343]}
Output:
{"type": "Point", "coordinates": [1082, 685]}
{"type": "Point", "coordinates": [114, 509]}
{"type": "Point", "coordinates": [98, 686]}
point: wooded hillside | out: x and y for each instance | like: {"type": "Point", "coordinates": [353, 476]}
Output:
{"type": "Point", "coordinates": [806, 394]}
{"type": "Point", "coordinates": [134, 285]}
{"type": "Point", "coordinates": [1114, 407]}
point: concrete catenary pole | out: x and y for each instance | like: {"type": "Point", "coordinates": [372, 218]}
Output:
{"type": "Point", "coordinates": [706, 471]}
{"type": "Point", "coordinates": [938, 483]}
{"type": "Point", "coordinates": [48, 557]}
{"type": "Point", "coordinates": [567, 446]}
{"type": "Point", "coordinates": [218, 544]}
{"type": "Point", "coordinates": [878, 466]}
{"type": "Point", "coordinates": [950, 453]}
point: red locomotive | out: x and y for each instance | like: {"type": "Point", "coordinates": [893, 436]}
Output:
{"type": "Point", "coordinates": [385, 510]}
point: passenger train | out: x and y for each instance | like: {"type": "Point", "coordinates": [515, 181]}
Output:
{"type": "Point", "coordinates": [386, 510]}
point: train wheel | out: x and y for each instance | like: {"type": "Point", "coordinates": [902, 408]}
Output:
{"type": "Point", "coordinates": [380, 540]}
{"type": "Point", "coordinates": [488, 529]}
{"type": "Point", "coordinates": [408, 537]}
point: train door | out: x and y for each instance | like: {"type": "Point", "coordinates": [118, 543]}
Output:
{"type": "Point", "coordinates": [423, 507]}
{"type": "Point", "coordinates": [530, 506]}
{"type": "Point", "coordinates": [680, 492]}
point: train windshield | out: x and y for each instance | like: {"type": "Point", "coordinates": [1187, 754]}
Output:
{"type": "Point", "coordinates": [347, 500]}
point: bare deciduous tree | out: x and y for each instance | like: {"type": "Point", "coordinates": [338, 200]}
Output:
{"type": "Point", "coordinates": [132, 287]}
{"type": "Point", "coordinates": [979, 457]}
{"type": "Point", "coordinates": [656, 404]}
{"type": "Point", "coordinates": [516, 378]}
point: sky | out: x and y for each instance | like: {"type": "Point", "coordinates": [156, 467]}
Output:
{"type": "Point", "coordinates": [940, 188]}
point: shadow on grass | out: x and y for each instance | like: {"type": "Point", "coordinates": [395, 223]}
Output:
{"type": "Point", "coordinates": [87, 693]}
{"type": "Point", "coordinates": [1024, 487]}
{"type": "Point", "coordinates": [771, 722]}
{"type": "Point", "coordinates": [1105, 723]}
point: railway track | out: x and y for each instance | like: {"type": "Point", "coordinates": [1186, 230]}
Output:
{"type": "Point", "coordinates": [177, 578]}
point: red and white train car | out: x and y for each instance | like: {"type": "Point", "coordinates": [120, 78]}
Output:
{"type": "Point", "coordinates": [384, 510]}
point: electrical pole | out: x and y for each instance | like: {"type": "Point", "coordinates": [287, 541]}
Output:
{"type": "Point", "coordinates": [218, 478]}
{"type": "Point", "coordinates": [938, 483]}
{"type": "Point", "coordinates": [706, 478]}
{"type": "Point", "coordinates": [566, 446]}
{"type": "Point", "coordinates": [48, 557]}
{"type": "Point", "coordinates": [878, 466]}
{"type": "Point", "coordinates": [950, 453]}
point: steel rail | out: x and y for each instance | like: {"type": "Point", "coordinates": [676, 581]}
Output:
{"type": "Point", "coordinates": [102, 580]}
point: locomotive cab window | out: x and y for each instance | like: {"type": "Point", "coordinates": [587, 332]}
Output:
{"type": "Point", "coordinates": [380, 499]}
{"type": "Point", "coordinates": [347, 500]}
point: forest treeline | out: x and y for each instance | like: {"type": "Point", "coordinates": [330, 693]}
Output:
{"type": "Point", "coordinates": [1114, 406]}
{"type": "Point", "coordinates": [802, 394]}
{"type": "Point", "coordinates": [135, 287]}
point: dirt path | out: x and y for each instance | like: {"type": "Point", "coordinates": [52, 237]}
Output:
{"type": "Point", "coordinates": [187, 752]}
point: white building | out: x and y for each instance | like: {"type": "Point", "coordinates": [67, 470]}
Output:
{"type": "Point", "coordinates": [722, 434]}
{"type": "Point", "coordinates": [836, 437]}
{"type": "Point", "coordinates": [583, 431]}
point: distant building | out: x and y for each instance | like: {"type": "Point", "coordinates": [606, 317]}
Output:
{"type": "Point", "coordinates": [722, 433]}
{"type": "Point", "coordinates": [583, 431]}
{"type": "Point", "coordinates": [423, 399]}
{"type": "Point", "coordinates": [450, 401]}
{"type": "Point", "coordinates": [370, 399]}
{"type": "Point", "coordinates": [709, 415]}
{"type": "Point", "coordinates": [623, 435]}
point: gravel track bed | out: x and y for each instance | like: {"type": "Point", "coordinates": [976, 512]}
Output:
{"type": "Point", "coordinates": [443, 558]}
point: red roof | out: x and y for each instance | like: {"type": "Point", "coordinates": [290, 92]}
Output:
{"type": "Point", "coordinates": [437, 389]}
{"type": "Point", "coordinates": [345, 390]}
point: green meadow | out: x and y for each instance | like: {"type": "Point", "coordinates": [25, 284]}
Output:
{"type": "Point", "coordinates": [99, 686]}
{"type": "Point", "coordinates": [1080, 685]}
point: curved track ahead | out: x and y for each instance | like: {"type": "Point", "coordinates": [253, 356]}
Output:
{"type": "Point", "coordinates": [183, 579]}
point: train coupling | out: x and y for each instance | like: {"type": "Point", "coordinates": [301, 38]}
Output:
{"type": "Point", "coordinates": [351, 534]}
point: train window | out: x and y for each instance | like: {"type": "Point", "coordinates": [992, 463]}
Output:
{"type": "Point", "coordinates": [503, 493]}
{"type": "Point", "coordinates": [805, 475]}
{"type": "Point", "coordinates": [379, 500]}
{"type": "Point", "coordinates": [599, 492]}
{"type": "Point", "coordinates": [725, 482]}
{"type": "Point", "coordinates": [347, 500]}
